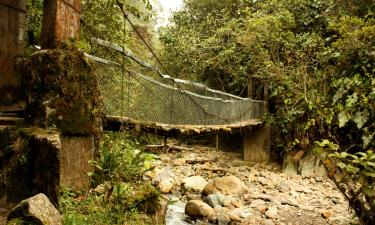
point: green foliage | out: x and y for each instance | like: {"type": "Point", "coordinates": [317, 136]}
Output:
{"type": "Point", "coordinates": [355, 174]}
{"type": "Point", "coordinates": [317, 54]}
{"type": "Point", "coordinates": [106, 208]}
{"type": "Point", "coordinates": [120, 195]}
{"type": "Point", "coordinates": [121, 159]}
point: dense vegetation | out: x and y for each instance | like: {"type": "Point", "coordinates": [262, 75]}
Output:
{"type": "Point", "coordinates": [319, 56]}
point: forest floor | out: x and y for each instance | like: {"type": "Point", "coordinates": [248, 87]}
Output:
{"type": "Point", "coordinates": [273, 197]}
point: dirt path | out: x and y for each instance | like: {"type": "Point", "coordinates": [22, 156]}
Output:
{"type": "Point", "coordinates": [273, 197]}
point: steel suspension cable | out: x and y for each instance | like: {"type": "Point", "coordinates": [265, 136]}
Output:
{"type": "Point", "coordinates": [120, 5]}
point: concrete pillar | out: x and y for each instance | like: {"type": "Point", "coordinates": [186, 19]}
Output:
{"type": "Point", "coordinates": [256, 143]}
{"type": "Point", "coordinates": [63, 93]}
{"type": "Point", "coordinates": [256, 140]}
{"type": "Point", "coordinates": [75, 154]}
{"type": "Point", "coordinates": [61, 22]}
{"type": "Point", "coordinates": [12, 44]}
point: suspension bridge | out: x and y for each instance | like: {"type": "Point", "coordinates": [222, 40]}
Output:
{"type": "Point", "coordinates": [163, 103]}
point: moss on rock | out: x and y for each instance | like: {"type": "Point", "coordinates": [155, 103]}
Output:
{"type": "Point", "coordinates": [63, 92]}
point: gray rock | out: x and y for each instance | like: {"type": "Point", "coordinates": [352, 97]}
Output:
{"type": "Point", "coordinates": [213, 201]}
{"type": "Point", "coordinates": [220, 197]}
{"type": "Point", "coordinates": [223, 219]}
{"type": "Point", "coordinates": [38, 210]}
{"type": "Point", "coordinates": [271, 212]}
{"type": "Point", "coordinates": [197, 208]}
{"type": "Point", "coordinates": [311, 165]}
{"type": "Point", "coordinates": [195, 183]}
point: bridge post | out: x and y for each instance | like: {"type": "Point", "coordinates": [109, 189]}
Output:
{"type": "Point", "coordinates": [61, 22]}
{"type": "Point", "coordinates": [12, 22]}
{"type": "Point", "coordinates": [256, 140]}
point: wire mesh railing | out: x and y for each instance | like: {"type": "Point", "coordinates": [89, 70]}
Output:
{"type": "Point", "coordinates": [127, 93]}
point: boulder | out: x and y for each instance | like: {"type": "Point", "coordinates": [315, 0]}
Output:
{"type": "Point", "coordinates": [36, 210]}
{"type": "Point", "coordinates": [197, 208]}
{"type": "Point", "coordinates": [229, 185]}
{"type": "Point", "coordinates": [195, 183]}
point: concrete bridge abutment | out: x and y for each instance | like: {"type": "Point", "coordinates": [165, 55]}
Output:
{"type": "Point", "coordinates": [256, 144]}
{"type": "Point", "coordinates": [257, 139]}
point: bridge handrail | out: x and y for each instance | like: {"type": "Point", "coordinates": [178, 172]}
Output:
{"type": "Point", "coordinates": [128, 53]}
{"type": "Point", "coordinates": [105, 61]}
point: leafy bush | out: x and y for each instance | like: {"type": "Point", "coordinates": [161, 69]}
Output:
{"type": "Point", "coordinates": [121, 159]}
{"type": "Point", "coordinates": [120, 195]}
{"type": "Point", "coordinates": [354, 175]}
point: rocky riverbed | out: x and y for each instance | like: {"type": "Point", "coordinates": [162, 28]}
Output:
{"type": "Point", "coordinates": [205, 186]}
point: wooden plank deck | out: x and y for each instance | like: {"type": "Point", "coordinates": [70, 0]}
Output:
{"type": "Point", "coordinates": [116, 123]}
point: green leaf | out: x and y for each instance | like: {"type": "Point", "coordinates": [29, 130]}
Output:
{"type": "Point", "coordinates": [351, 100]}
{"type": "Point", "coordinates": [343, 118]}
{"type": "Point", "coordinates": [369, 174]}
{"type": "Point", "coordinates": [367, 140]}
{"type": "Point", "coordinates": [360, 118]}
{"type": "Point", "coordinates": [341, 165]}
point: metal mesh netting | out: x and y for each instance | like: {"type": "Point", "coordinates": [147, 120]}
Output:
{"type": "Point", "coordinates": [130, 94]}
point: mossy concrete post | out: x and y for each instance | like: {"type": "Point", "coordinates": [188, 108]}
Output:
{"type": "Point", "coordinates": [256, 140]}
{"type": "Point", "coordinates": [12, 44]}
{"type": "Point", "coordinates": [63, 94]}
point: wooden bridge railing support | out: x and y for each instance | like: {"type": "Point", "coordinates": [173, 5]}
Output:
{"type": "Point", "coordinates": [256, 140]}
